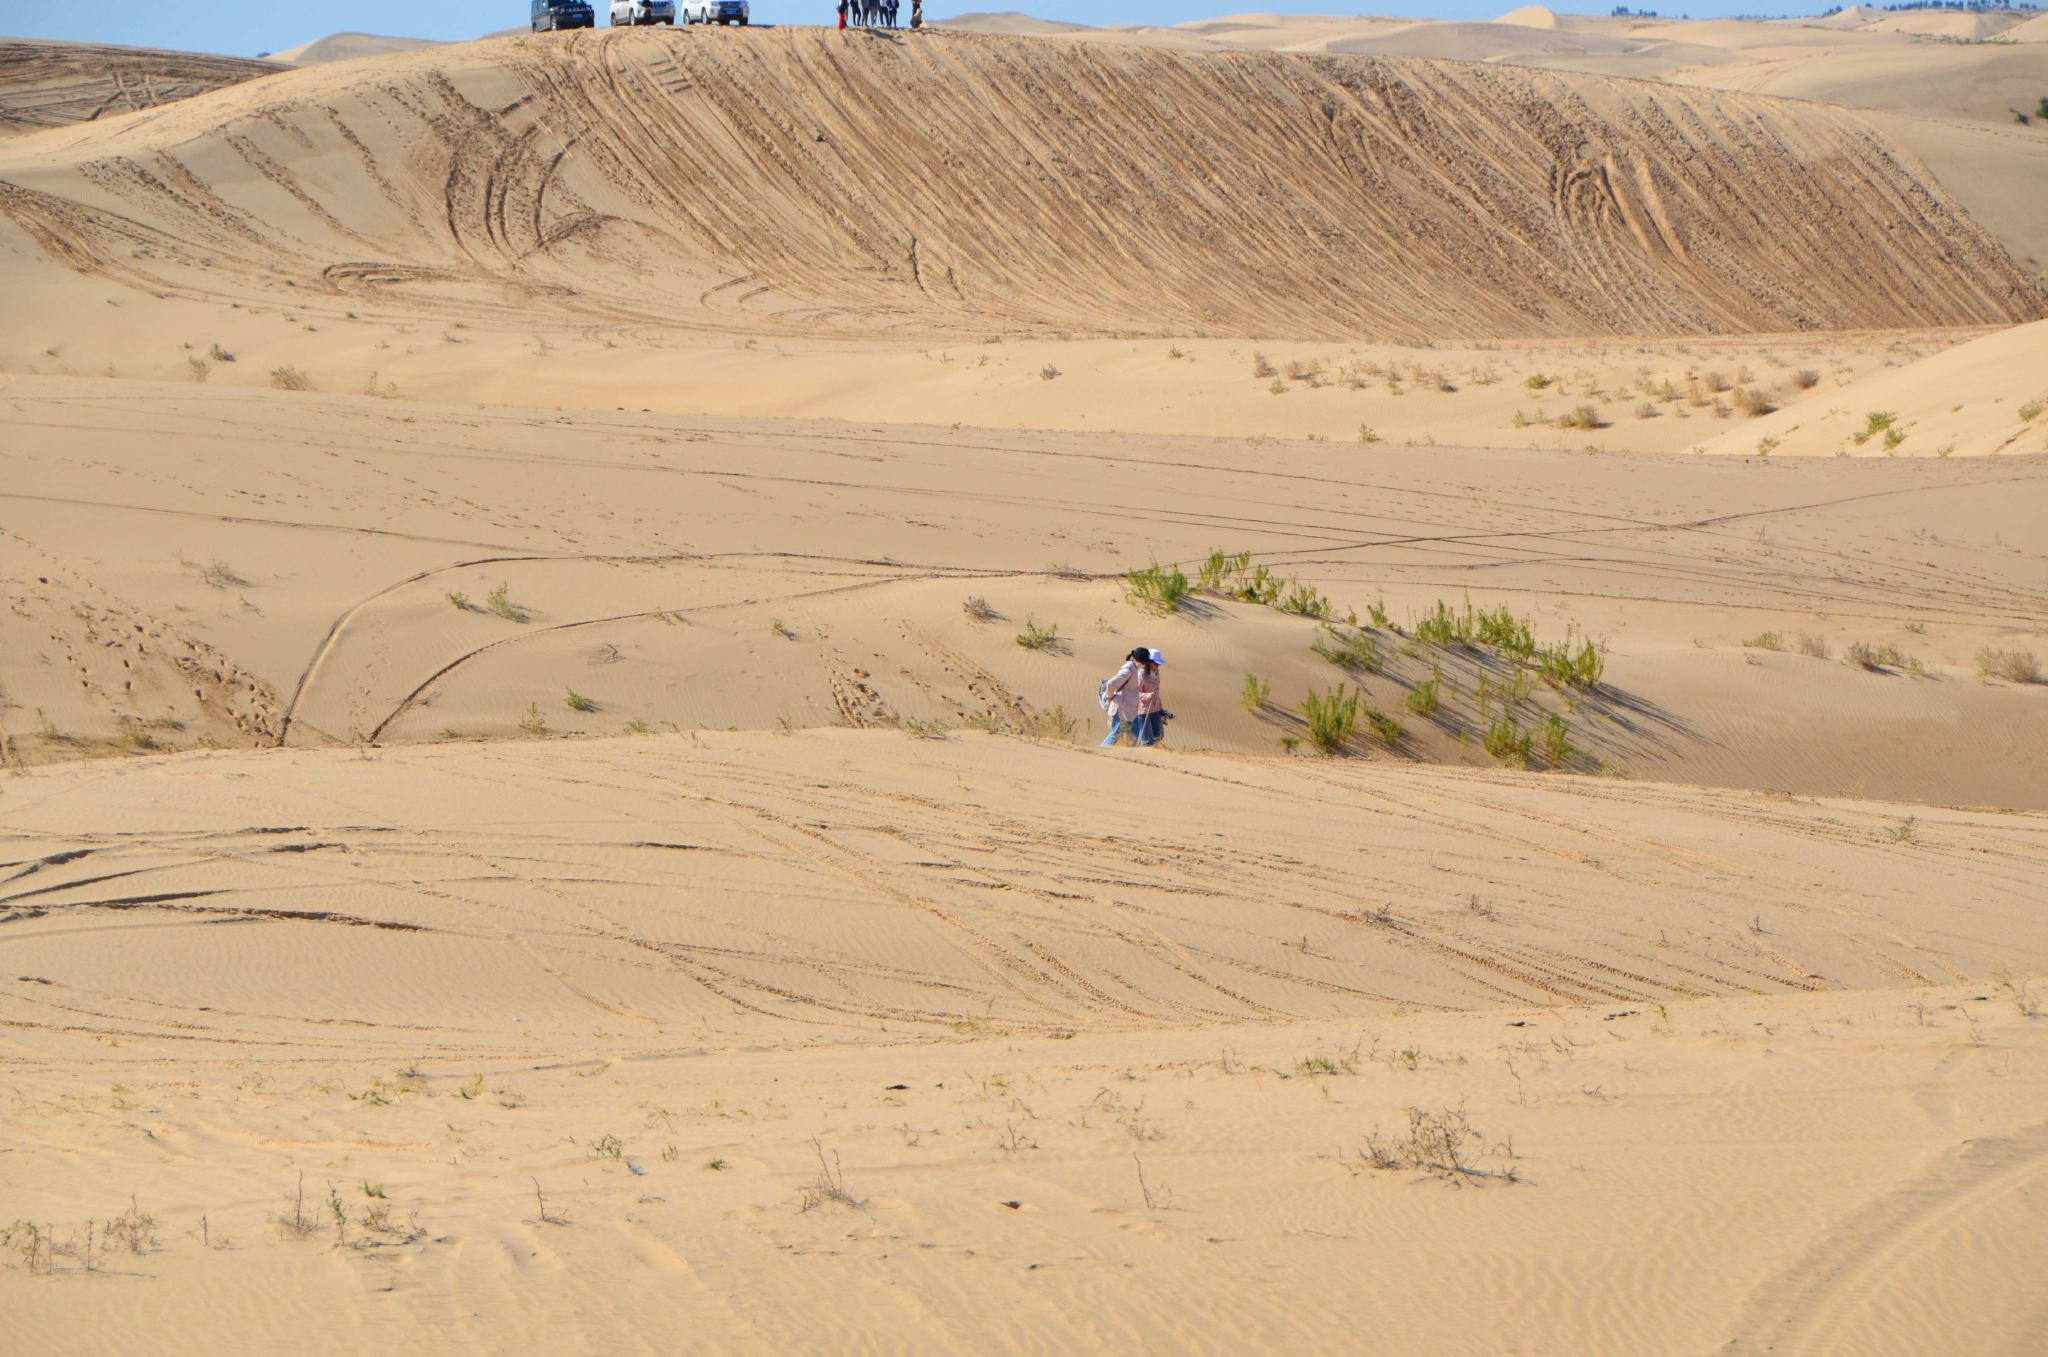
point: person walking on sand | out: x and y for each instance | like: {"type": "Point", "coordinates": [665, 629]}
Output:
{"type": "Point", "coordinates": [917, 13]}
{"type": "Point", "coordinates": [1131, 699]}
{"type": "Point", "coordinates": [842, 12]}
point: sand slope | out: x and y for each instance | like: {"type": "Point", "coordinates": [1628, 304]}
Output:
{"type": "Point", "coordinates": [53, 84]}
{"type": "Point", "coordinates": [1093, 1048]}
{"type": "Point", "coordinates": [855, 182]}
{"type": "Point", "coordinates": [1984, 397]}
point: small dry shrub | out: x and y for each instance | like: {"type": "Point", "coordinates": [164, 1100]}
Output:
{"type": "Point", "coordinates": [2014, 666]}
{"type": "Point", "coordinates": [1751, 401]}
{"type": "Point", "coordinates": [1766, 640]}
{"type": "Point", "coordinates": [1715, 382]}
{"type": "Point", "coordinates": [978, 608]}
{"type": "Point", "coordinates": [1813, 646]}
{"type": "Point", "coordinates": [1439, 1144]}
{"type": "Point", "coordinates": [1646, 411]}
{"type": "Point", "coordinates": [1806, 379]}
{"type": "Point", "coordinates": [289, 378]}
{"type": "Point", "coordinates": [133, 1230]}
{"type": "Point", "coordinates": [1261, 367]}
{"type": "Point", "coordinates": [1580, 417]}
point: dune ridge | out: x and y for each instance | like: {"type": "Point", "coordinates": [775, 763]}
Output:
{"type": "Point", "coordinates": [856, 182]}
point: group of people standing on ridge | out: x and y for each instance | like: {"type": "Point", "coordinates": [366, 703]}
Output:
{"type": "Point", "coordinates": [878, 13]}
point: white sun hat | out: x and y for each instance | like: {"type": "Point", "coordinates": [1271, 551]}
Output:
{"type": "Point", "coordinates": [1158, 657]}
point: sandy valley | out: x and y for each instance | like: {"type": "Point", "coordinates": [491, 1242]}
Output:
{"type": "Point", "coordinates": [555, 592]}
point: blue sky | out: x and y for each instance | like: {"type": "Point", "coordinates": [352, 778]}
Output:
{"type": "Point", "coordinates": [246, 27]}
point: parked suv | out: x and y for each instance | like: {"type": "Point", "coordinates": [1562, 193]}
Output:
{"type": "Point", "coordinates": [626, 12]}
{"type": "Point", "coordinates": [714, 12]}
{"type": "Point", "coordinates": [550, 15]}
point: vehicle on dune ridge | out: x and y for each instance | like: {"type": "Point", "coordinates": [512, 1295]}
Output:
{"type": "Point", "coordinates": [551, 16]}
{"type": "Point", "coordinates": [632, 13]}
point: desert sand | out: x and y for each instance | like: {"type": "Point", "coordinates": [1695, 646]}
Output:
{"type": "Point", "coordinates": [555, 592]}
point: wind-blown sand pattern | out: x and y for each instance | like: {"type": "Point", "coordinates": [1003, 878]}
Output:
{"type": "Point", "coordinates": [962, 182]}
{"type": "Point", "coordinates": [554, 591]}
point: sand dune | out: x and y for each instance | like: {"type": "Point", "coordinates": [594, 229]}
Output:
{"type": "Point", "coordinates": [1981, 398]}
{"type": "Point", "coordinates": [555, 590]}
{"type": "Point", "coordinates": [173, 585]}
{"type": "Point", "coordinates": [347, 47]}
{"type": "Point", "coordinates": [556, 1039]}
{"type": "Point", "coordinates": [53, 84]}
{"type": "Point", "coordinates": [802, 180]}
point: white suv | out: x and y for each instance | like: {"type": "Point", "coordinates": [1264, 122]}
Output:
{"type": "Point", "coordinates": [713, 12]}
{"type": "Point", "coordinates": [625, 12]}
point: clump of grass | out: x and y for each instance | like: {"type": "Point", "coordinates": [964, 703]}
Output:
{"type": "Point", "coordinates": [607, 1146]}
{"type": "Point", "coordinates": [1647, 411]}
{"type": "Point", "coordinates": [1425, 696]}
{"type": "Point", "coordinates": [1905, 831]}
{"type": "Point", "coordinates": [1436, 1144]}
{"type": "Point", "coordinates": [638, 726]}
{"type": "Point", "coordinates": [220, 355]}
{"type": "Point", "coordinates": [1813, 647]}
{"type": "Point", "coordinates": [1366, 434]}
{"type": "Point", "coordinates": [533, 723]}
{"type": "Point", "coordinates": [1766, 640]}
{"type": "Point", "coordinates": [289, 378]}
{"type": "Point", "coordinates": [46, 729]}
{"type": "Point", "coordinates": [1806, 379]}
{"type": "Point", "coordinates": [1304, 600]}
{"type": "Point", "coordinates": [2014, 666]}
{"type": "Point", "coordinates": [1557, 743]}
{"type": "Point", "coordinates": [1050, 725]}
{"type": "Point", "coordinates": [1035, 637]}
{"type": "Point", "coordinates": [1215, 572]}
{"type": "Point", "coordinates": [1507, 741]}
{"type": "Point", "coordinates": [1331, 717]}
{"type": "Point", "coordinates": [978, 608]}
{"type": "Point", "coordinates": [1352, 648]}
{"type": "Point", "coordinates": [1048, 372]}
{"type": "Point", "coordinates": [924, 730]}
{"type": "Point", "coordinates": [500, 603]}
{"type": "Point", "coordinates": [460, 602]}
{"type": "Point", "coordinates": [576, 701]}
{"type": "Point", "coordinates": [1581, 417]}
{"type": "Point", "coordinates": [1573, 662]}
{"type": "Point", "coordinates": [1537, 381]}
{"type": "Point", "coordinates": [1874, 423]}
{"type": "Point", "coordinates": [2031, 410]}
{"type": "Point", "coordinates": [1261, 586]}
{"type": "Point", "coordinates": [1162, 588]}
{"type": "Point", "coordinates": [198, 369]}
{"type": "Point", "coordinates": [1262, 368]}
{"type": "Point", "coordinates": [1876, 658]}
{"type": "Point", "coordinates": [1386, 727]}
{"type": "Point", "coordinates": [1256, 691]}
{"type": "Point", "coordinates": [1278, 388]}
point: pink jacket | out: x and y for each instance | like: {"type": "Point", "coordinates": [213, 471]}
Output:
{"type": "Point", "coordinates": [1134, 692]}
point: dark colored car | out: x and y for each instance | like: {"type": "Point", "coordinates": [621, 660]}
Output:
{"type": "Point", "coordinates": [552, 15]}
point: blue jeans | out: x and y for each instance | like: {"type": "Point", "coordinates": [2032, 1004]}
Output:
{"type": "Point", "coordinates": [1146, 729]}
